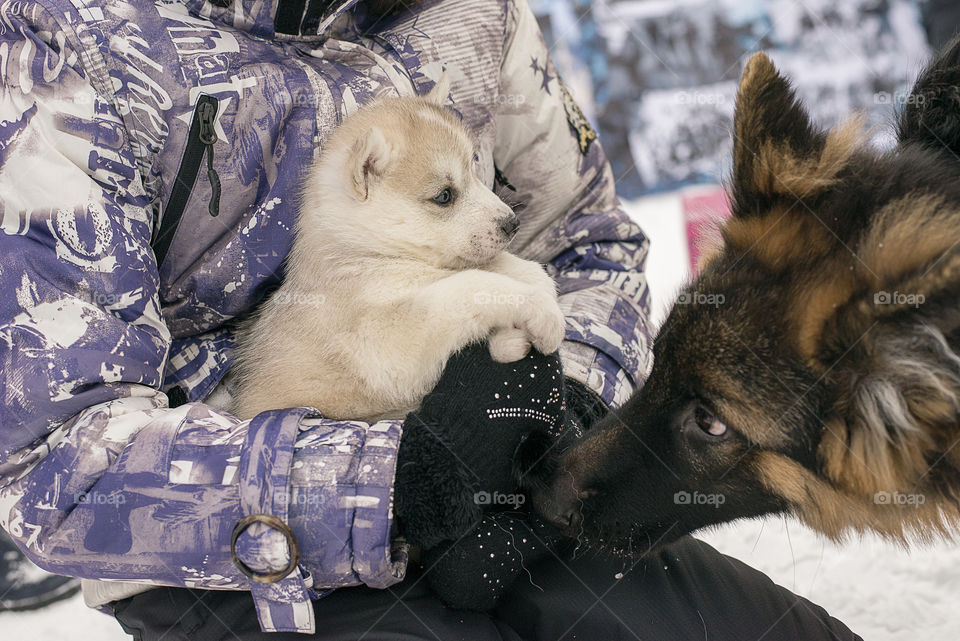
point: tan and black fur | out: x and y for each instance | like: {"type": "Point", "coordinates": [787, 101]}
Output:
{"type": "Point", "coordinates": [814, 368]}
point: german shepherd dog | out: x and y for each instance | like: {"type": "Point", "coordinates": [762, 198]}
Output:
{"type": "Point", "coordinates": [812, 368]}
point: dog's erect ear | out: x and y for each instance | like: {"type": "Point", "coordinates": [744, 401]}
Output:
{"type": "Point", "coordinates": [777, 152]}
{"type": "Point", "coordinates": [931, 115]}
{"type": "Point", "coordinates": [438, 95]}
{"type": "Point", "coordinates": [369, 158]}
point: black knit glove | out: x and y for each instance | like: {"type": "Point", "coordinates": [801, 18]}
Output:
{"type": "Point", "coordinates": [584, 406]}
{"type": "Point", "coordinates": [472, 572]}
{"type": "Point", "coordinates": [466, 449]}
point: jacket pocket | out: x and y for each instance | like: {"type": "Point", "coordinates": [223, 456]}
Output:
{"type": "Point", "coordinates": [200, 141]}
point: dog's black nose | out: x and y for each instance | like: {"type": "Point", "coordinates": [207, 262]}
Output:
{"type": "Point", "coordinates": [566, 519]}
{"type": "Point", "coordinates": [560, 507]}
{"type": "Point", "coordinates": [509, 225]}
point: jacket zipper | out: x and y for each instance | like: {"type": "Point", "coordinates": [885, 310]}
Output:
{"type": "Point", "coordinates": [200, 141]}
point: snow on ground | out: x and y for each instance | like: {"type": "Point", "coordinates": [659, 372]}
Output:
{"type": "Point", "coordinates": [68, 620]}
{"type": "Point", "coordinates": [882, 592]}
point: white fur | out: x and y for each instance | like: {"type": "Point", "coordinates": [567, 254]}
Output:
{"type": "Point", "coordinates": [383, 285]}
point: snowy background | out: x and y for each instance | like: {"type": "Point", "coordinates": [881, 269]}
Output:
{"type": "Point", "coordinates": [657, 78]}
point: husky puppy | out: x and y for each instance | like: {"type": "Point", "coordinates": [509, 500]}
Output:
{"type": "Point", "coordinates": [814, 365]}
{"type": "Point", "coordinates": [398, 262]}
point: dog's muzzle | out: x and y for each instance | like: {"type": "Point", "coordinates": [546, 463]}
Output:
{"type": "Point", "coordinates": [559, 505]}
{"type": "Point", "coordinates": [510, 225]}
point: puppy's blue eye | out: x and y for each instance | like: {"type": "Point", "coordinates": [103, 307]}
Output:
{"type": "Point", "coordinates": [444, 198]}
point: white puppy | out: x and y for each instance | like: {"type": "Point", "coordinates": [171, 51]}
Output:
{"type": "Point", "coordinates": [397, 263]}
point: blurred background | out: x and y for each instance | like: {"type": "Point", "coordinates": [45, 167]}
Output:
{"type": "Point", "coordinates": [657, 79]}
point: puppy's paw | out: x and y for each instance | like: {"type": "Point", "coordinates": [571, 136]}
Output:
{"type": "Point", "coordinates": [544, 325]}
{"type": "Point", "coordinates": [508, 344]}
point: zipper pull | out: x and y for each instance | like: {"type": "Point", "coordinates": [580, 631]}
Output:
{"type": "Point", "coordinates": [214, 206]}
{"type": "Point", "coordinates": [208, 136]}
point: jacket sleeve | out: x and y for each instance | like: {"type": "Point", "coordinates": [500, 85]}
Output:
{"type": "Point", "coordinates": [98, 477]}
{"type": "Point", "coordinates": [557, 171]}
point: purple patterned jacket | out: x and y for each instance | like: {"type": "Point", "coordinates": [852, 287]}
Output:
{"type": "Point", "coordinates": [102, 107]}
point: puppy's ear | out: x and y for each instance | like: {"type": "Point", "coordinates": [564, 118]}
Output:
{"type": "Point", "coordinates": [369, 158]}
{"type": "Point", "coordinates": [931, 115]}
{"type": "Point", "coordinates": [778, 153]}
{"type": "Point", "coordinates": [438, 95]}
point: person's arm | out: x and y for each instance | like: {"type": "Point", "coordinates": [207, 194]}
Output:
{"type": "Point", "coordinates": [547, 152]}
{"type": "Point", "coordinates": [98, 477]}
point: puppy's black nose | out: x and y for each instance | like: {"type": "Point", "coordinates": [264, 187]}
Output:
{"type": "Point", "coordinates": [509, 225]}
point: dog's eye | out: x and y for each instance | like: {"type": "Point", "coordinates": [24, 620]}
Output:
{"type": "Point", "coordinates": [444, 198]}
{"type": "Point", "coordinates": [709, 423]}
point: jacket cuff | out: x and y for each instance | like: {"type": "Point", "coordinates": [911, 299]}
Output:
{"type": "Point", "coordinates": [264, 488]}
{"type": "Point", "coordinates": [377, 561]}
{"type": "Point", "coordinates": [599, 371]}
{"type": "Point", "coordinates": [611, 355]}
{"type": "Point", "coordinates": [332, 482]}
{"type": "Point", "coordinates": [341, 502]}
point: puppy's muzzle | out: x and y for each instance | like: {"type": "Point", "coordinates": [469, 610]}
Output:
{"type": "Point", "coordinates": [509, 225]}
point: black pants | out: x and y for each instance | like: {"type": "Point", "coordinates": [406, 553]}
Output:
{"type": "Point", "coordinates": [684, 592]}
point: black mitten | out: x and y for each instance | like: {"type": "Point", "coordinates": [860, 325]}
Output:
{"type": "Point", "coordinates": [584, 406]}
{"type": "Point", "coordinates": [459, 451]}
{"type": "Point", "coordinates": [472, 573]}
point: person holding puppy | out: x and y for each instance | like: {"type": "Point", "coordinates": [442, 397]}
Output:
{"type": "Point", "coordinates": [149, 154]}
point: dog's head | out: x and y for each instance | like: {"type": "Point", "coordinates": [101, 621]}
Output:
{"type": "Point", "coordinates": [812, 368]}
{"type": "Point", "coordinates": [398, 179]}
